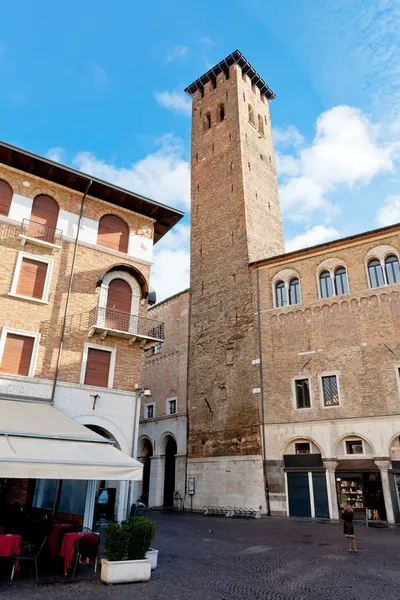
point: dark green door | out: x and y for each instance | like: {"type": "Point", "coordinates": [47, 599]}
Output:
{"type": "Point", "coordinates": [299, 495]}
{"type": "Point", "coordinates": [320, 495]}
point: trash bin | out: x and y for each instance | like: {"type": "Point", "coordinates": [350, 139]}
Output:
{"type": "Point", "coordinates": [138, 510]}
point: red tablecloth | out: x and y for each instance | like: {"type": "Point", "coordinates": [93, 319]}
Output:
{"type": "Point", "coordinates": [54, 536]}
{"type": "Point", "coordinates": [10, 544]}
{"type": "Point", "coordinates": [68, 548]}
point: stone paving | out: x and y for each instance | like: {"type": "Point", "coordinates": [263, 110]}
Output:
{"type": "Point", "coordinates": [211, 558]}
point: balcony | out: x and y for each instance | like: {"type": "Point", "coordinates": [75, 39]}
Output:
{"type": "Point", "coordinates": [107, 321]}
{"type": "Point", "coordinates": [40, 234]}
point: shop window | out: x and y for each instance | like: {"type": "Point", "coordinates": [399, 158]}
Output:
{"type": "Point", "coordinates": [330, 390]}
{"type": "Point", "coordinates": [392, 269]}
{"type": "Point", "coordinates": [294, 291]}
{"type": "Point", "coordinates": [18, 352]}
{"type": "Point", "coordinates": [32, 277]}
{"type": "Point", "coordinates": [171, 406]}
{"type": "Point", "coordinates": [341, 282]}
{"type": "Point", "coordinates": [354, 447]}
{"type": "Point", "coordinates": [302, 387]}
{"type": "Point", "coordinates": [325, 284]}
{"type": "Point", "coordinates": [67, 496]}
{"type": "Point", "coordinates": [6, 195]}
{"type": "Point", "coordinates": [98, 366]}
{"type": "Point", "coordinates": [350, 492]}
{"type": "Point", "coordinates": [375, 273]}
{"type": "Point", "coordinates": [113, 233]}
{"type": "Point", "coordinates": [280, 294]}
{"type": "Point", "coordinates": [302, 448]}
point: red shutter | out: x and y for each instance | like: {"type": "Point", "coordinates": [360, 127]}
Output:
{"type": "Point", "coordinates": [118, 305]}
{"type": "Point", "coordinates": [32, 278]}
{"type": "Point", "coordinates": [6, 195]}
{"type": "Point", "coordinates": [17, 354]}
{"type": "Point", "coordinates": [97, 367]}
{"type": "Point", "coordinates": [44, 216]}
{"type": "Point", "coordinates": [113, 233]}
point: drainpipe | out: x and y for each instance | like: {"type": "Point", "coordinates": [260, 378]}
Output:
{"type": "Point", "coordinates": [71, 278]}
{"type": "Point", "coordinates": [265, 470]}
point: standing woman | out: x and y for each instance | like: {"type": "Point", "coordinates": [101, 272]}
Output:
{"type": "Point", "coordinates": [348, 528]}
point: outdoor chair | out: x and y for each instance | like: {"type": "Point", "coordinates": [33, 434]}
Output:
{"type": "Point", "coordinates": [87, 546]}
{"type": "Point", "coordinates": [30, 553]}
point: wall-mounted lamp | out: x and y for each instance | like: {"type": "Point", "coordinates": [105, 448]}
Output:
{"type": "Point", "coordinates": [142, 391]}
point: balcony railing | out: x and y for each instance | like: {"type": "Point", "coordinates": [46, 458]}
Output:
{"type": "Point", "coordinates": [116, 322]}
{"type": "Point", "coordinates": [40, 232]}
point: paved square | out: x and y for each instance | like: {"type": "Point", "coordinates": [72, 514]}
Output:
{"type": "Point", "coordinates": [211, 558]}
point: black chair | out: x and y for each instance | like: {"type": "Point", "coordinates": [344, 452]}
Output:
{"type": "Point", "coordinates": [87, 546]}
{"type": "Point", "coordinates": [30, 553]}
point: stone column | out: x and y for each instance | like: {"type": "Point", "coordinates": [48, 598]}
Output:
{"type": "Point", "coordinates": [384, 466]}
{"type": "Point", "coordinates": [330, 466]}
{"type": "Point", "coordinates": [157, 472]}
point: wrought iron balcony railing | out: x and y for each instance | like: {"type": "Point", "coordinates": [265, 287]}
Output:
{"type": "Point", "coordinates": [114, 321]}
{"type": "Point", "coordinates": [40, 232]}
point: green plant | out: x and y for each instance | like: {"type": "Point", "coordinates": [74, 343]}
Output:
{"type": "Point", "coordinates": [128, 540]}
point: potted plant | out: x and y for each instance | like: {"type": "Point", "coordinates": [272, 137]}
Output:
{"type": "Point", "coordinates": [125, 548]}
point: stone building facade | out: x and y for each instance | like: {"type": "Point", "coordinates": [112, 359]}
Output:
{"type": "Point", "coordinates": [76, 257]}
{"type": "Point", "coordinates": [293, 378]}
{"type": "Point", "coordinates": [163, 421]}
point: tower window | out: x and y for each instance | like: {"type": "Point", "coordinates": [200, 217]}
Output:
{"type": "Point", "coordinates": [207, 122]}
{"type": "Point", "coordinates": [244, 97]}
{"type": "Point", "coordinates": [265, 118]}
{"type": "Point", "coordinates": [260, 125]}
{"type": "Point", "coordinates": [251, 114]}
{"type": "Point", "coordinates": [221, 112]}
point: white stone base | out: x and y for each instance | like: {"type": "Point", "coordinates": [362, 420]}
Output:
{"type": "Point", "coordinates": [125, 571]}
{"type": "Point", "coordinates": [227, 481]}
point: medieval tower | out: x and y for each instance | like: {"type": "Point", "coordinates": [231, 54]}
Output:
{"type": "Point", "coordinates": [235, 219]}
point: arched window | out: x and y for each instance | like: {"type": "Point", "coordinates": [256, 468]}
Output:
{"type": "Point", "coordinates": [341, 283]}
{"type": "Point", "coordinates": [118, 308]}
{"type": "Point", "coordinates": [44, 217]}
{"type": "Point", "coordinates": [221, 112]}
{"type": "Point", "coordinates": [325, 284]}
{"type": "Point", "coordinates": [260, 125]}
{"type": "Point", "coordinates": [392, 269]}
{"type": "Point", "coordinates": [280, 294]}
{"type": "Point", "coordinates": [251, 114]}
{"type": "Point", "coordinates": [6, 195]}
{"type": "Point", "coordinates": [375, 273]}
{"type": "Point", "coordinates": [207, 122]}
{"type": "Point", "coordinates": [113, 233]}
{"type": "Point", "coordinates": [294, 291]}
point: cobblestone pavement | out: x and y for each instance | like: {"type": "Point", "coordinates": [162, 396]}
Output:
{"type": "Point", "coordinates": [211, 558]}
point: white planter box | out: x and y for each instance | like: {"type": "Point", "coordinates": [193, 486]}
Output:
{"type": "Point", "coordinates": [125, 571]}
{"type": "Point", "coordinates": [153, 556]}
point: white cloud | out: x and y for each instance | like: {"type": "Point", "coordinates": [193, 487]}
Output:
{"type": "Point", "coordinates": [206, 41]}
{"type": "Point", "coordinates": [171, 268]}
{"type": "Point", "coordinates": [389, 212]}
{"type": "Point", "coordinates": [313, 236]}
{"type": "Point", "coordinates": [175, 101]}
{"type": "Point", "coordinates": [347, 150]}
{"type": "Point", "coordinates": [176, 52]}
{"type": "Point", "coordinates": [287, 137]}
{"type": "Point", "coordinates": [56, 154]}
{"type": "Point", "coordinates": [163, 175]}
{"type": "Point", "coordinates": [99, 75]}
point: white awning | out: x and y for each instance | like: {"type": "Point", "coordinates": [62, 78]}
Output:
{"type": "Point", "coordinates": [39, 442]}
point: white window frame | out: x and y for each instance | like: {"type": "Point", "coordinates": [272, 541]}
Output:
{"type": "Point", "coordinates": [321, 389]}
{"type": "Point", "coordinates": [48, 261]}
{"type": "Point", "coordinates": [167, 401]}
{"type": "Point", "coordinates": [294, 396]}
{"type": "Point", "coordinates": [145, 410]}
{"type": "Point", "coordinates": [354, 440]}
{"type": "Point", "coordinates": [112, 363]}
{"type": "Point", "coordinates": [36, 336]}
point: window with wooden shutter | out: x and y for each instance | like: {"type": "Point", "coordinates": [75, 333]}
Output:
{"type": "Point", "coordinates": [6, 195]}
{"type": "Point", "coordinates": [17, 354]}
{"type": "Point", "coordinates": [113, 233]}
{"type": "Point", "coordinates": [44, 217]}
{"type": "Point", "coordinates": [97, 367]}
{"type": "Point", "coordinates": [118, 305]}
{"type": "Point", "coordinates": [32, 278]}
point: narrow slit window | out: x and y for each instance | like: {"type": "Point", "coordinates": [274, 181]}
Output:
{"type": "Point", "coordinates": [392, 269]}
{"type": "Point", "coordinates": [341, 282]}
{"type": "Point", "coordinates": [375, 273]}
{"type": "Point", "coordinates": [260, 125]}
{"type": "Point", "coordinates": [280, 294]}
{"type": "Point", "coordinates": [325, 284]}
{"type": "Point", "coordinates": [294, 291]}
{"type": "Point", "coordinates": [207, 122]}
{"type": "Point", "coordinates": [221, 112]}
{"type": "Point", "coordinates": [251, 114]}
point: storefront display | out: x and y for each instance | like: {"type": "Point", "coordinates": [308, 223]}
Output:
{"type": "Point", "coordinates": [363, 492]}
{"type": "Point", "coordinates": [350, 492]}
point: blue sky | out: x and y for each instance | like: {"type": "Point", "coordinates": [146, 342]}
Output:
{"type": "Point", "coordinates": [99, 85]}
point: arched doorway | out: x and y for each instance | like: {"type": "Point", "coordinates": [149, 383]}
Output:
{"type": "Point", "coordinates": [147, 453]}
{"type": "Point", "coordinates": [169, 472]}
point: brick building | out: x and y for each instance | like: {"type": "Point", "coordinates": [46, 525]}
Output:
{"type": "Point", "coordinates": [293, 363]}
{"type": "Point", "coordinates": [76, 257]}
{"type": "Point", "coordinates": [163, 422]}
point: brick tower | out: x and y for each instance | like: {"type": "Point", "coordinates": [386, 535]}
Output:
{"type": "Point", "coordinates": [235, 219]}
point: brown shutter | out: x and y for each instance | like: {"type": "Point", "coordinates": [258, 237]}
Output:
{"type": "Point", "coordinates": [17, 354]}
{"type": "Point", "coordinates": [97, 367]}
{"type": "Point", "coordinates": [118, 305]}
{"type": "Point", "coordinates": [113, 233]}
{"type": "Point", "coordinates": [32, 277]}
{"type": "Point", "coordinates": [44, 216]}
{"type": "Point", "coordinates": [6, 195]}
